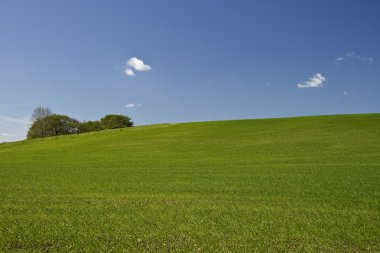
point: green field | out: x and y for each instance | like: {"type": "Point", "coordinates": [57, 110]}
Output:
{"type": "Point", "coordinates": [294, 184]}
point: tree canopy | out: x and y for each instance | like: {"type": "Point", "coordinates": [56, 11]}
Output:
{"type": "Point", "coordinates": [39, 113]}
{"type": "Point", "coordinates": [53, 125]}
{"type": "Point", "coordinates": [90, 126]}
{"type": "Point", "coordinates": [45, 123]}
{"type": "Point", "coordinates": [112, 121]}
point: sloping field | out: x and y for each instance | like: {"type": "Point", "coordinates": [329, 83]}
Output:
{"type": "Point", "coordinates": [294, 184]}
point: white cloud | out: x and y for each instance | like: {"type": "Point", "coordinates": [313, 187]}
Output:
{"type": "Point", "coordinates": [339, 59]}
{"type": "Point", "coordinates": [345, 93]}
{"type": "Point", "coordinates": [4, 134]}
{"type": "Point", "coordinates": [355, 56]}
{"type": "Point", "coordinates": [138, 64]}
{"type": "Point", "coordinates": [131, 105]}
{"type": "Point", "coordinates": [129, 72]}
{"type": "Point", "coordinates": [135, 64]}
{"type": "Point", "coordinates": [315, 81]}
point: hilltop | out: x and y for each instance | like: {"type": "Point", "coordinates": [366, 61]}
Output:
{"type": "Point", "coordinates": [291, 184]}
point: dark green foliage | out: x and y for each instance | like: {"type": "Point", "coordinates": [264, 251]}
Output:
{"type": "Point", "coordinates": [39, 124]}
{"type": "Point", "coordinates": [90, 126]}
{"type": "Point", "coordinates": [112, 121]}
{"type": "Point", "coordinates": [53, 125]}
{"type": "Point", "coordinates": [45, 124]}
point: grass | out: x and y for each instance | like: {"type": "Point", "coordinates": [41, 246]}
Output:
{"type": "Point", "coordinates": [301, 184]}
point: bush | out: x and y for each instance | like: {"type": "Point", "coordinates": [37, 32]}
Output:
{"type": "Point", "coordinates": [53, 125]}
{"type": "Point", "coordinates": [45, 123]}
{"type": "Point", "coordinates": [112, 121]}
{"type": "Point", "coordinates": [90, 126]}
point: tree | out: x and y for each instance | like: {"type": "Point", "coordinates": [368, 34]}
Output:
{"type": "Point", "coordinates": [90, 126]}
{"type": "Point", "coordinates": [39, 113]}
{"type": "Point", "coordinates": [112, 121]}
{"type": "Point", "coordinates": [53, 125]}
{"type": "Point", "coordinates": [37, 121]}
{"type": "Point", "coordinates": [45, 123]}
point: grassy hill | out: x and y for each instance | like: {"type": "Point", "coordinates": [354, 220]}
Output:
{"type": "Point", "coordinates": [293, 184]}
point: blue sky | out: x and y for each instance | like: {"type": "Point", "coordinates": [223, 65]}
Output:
{"type": "Point", "coordinates": [202, 60]}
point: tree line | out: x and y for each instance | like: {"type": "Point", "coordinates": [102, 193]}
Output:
{"type": "Point", "coordinates": [45, 123]}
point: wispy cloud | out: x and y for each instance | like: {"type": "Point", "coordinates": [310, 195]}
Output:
{"type": "Point", "coordinates": [129, 72]}
{"type": "Point", "coordinates": [131, 105]}
{"type": "Point", "coordinates": [354, 56]}
{"type": "Point", "coordinates": [135, 64]}
{"type": "Point", "coordinates": [315, 81]}
{"type": "Point", "coordinates": [339, 59]}
{"type": "Point", "coordinates": [13, 120]}
{"type": "Point", "coordinates": [271, 84]}
{"type": "Point", "coordinates": [4, 134]}
{"type": "Point", "coordinates": [344, 95]}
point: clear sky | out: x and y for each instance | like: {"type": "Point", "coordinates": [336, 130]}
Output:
{"type": "Point", "coordinates": [188, 60]}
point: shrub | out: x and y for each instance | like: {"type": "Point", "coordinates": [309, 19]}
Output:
{"type": "Point", "coordinates": [53, 125]}
{"type": "Point", "coordinates": [112, 121]}
{"type": "Point", "coordinates": [90, 126]}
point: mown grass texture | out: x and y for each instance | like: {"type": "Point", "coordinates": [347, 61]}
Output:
{"type": "Point", "coordinates": [300, 184]}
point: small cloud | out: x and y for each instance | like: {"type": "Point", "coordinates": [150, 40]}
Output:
{"type": "Point", "coordinates": [271, 84]}
{"type": "Point", "coordinates": [135, 64]}
{"type": "Point", "coordinates": [355, 56]}
{"type": "Point", "coordinates": [344, 95]}
{"type": "Point", "coordinates": [131, 105]}
{"type": "Point", "coordinates": [4, 134]}
{"type": "Point", "coordinates": [129, 72]}
{"type": "Point", "coordinates": [138, 64]}
{"type": "Point", "coordinates": [339, 59]}
{"type": "Point", "coordinates": [315, 81]}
